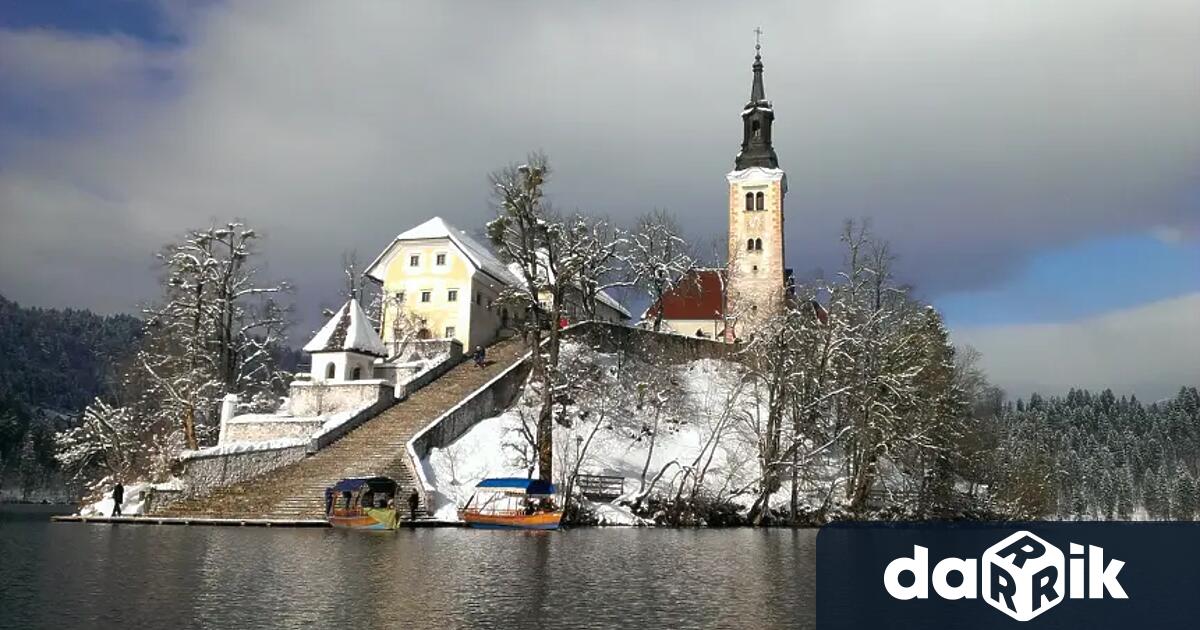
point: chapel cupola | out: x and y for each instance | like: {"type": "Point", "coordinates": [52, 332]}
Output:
{"type": "Point", "coordinates": [757, 118]}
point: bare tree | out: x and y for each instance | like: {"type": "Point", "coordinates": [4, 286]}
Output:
{"type": "Point", "coordinates": [659, 258]}
{"type": "Point", "coordinates": [597, 259]}
{"type": "Point", "coordinates": [216, 329]}
{"type": "Point", "coordinates": [109, 439]}
{"type": "Point", "coordinates": [527, 236]}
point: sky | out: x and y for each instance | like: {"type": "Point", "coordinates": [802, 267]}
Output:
{"type": "Point", "coordinates": [1036, 166]}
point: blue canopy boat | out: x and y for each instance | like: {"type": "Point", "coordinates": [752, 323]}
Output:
{"type": "Point", "coordinates": [362, 503]}
{"type": "Point", "coordinates": [512, 503]}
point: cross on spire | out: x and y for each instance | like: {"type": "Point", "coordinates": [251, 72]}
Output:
{"type": "Point", "coordinates": [757, 39]}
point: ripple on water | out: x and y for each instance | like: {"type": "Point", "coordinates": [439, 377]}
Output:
{"type": "Point", "coordinates": [100, 576]}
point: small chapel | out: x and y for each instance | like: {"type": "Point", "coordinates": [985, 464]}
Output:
{"type": "Point", "coordinates": [729, 303]}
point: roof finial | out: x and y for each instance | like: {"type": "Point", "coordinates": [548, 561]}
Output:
{"type": "Point", "coordinates": [757, 94]}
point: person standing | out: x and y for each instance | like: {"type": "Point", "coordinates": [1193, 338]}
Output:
{"type": "Point", "coordinates": [479, 356]}
{"type": "Point", "coordinates": [118, 497]}
{"type": "Point", "coordinates": [414, 500]}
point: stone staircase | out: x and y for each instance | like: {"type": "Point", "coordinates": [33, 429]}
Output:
{"type": "Point", "coordinates": [377, 447]}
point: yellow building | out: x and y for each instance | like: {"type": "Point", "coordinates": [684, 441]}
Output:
{"type": "Point", "coordinates": [438, 282]}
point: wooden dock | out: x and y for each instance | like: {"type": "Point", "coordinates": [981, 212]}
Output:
{"type": "Point", "coordinates": [229, 522]}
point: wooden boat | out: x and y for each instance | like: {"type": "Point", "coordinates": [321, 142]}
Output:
{"type": "Point", "coordinates": [362, 503]}
{"type": "Point", "coordinates": [512, 503]}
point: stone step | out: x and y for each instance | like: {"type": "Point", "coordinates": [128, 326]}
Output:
{"type": "Point", "coordinates": [378, 446]}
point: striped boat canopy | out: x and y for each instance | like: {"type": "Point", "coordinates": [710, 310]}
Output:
{"type": "Point", "coordinates": [518, 485]}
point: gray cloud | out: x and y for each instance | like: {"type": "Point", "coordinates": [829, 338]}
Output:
{"type": "Point", "coordinates": [1150, 351]}
{"type": "Point", "coordinates": [973, 132]}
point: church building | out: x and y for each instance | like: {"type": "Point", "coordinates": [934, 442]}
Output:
{"type": "Point", "coordinates": [728, 303]}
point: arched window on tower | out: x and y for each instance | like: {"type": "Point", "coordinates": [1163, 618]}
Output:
{"type": "Point", "coordinates": [760, 201]}
{"type": "Point", "coordinates": [329, 372]}
{"type": "Point", "coordinates": [356, 374]}
{"type": "Point", "coordinates": [756, 128]}
{"type": "Point", "coordinates": [749, 244]}
{"type": "Point", "coordinates": [749, 201]}
{"type": "Point", "coordinates": [758, 244]}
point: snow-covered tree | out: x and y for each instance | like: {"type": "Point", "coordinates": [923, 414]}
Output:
{"type": "Point", "coordinates": [110, 439]}
{"type": "Point", "coordinates": [527, 236]}
{"type": "Point", "coordinates": [1183, 499]}
{"type": "Point", "coordinates": [216, 329]}
{"type": "Point", "coordinates": [595, 254]}
{"type": "Point", "coordinates": [774, 359]}
{"type": "Point", "coordinates": [658, 258]}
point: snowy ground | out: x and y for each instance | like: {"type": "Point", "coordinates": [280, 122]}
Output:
{"type": "Point", "coordinates": [707, 426]}
{"type": "Point", "coordinates": [134, 503]}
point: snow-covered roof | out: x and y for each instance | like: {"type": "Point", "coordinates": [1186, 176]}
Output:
{"type": "Point", "coordinates": [348, 330]}
{"type": "Point", "coordinates": [602, 296]}
{"type": "Point", "coordinates": [612, 302]}
{"type": "Point", "coordinates": [435, 228]}
{"type": "Point", "coordinates": [479, 255]}
{"type": "Point", "coordinates": [759, 107]}
{"type": "Point", "coordinates": [757, 173]}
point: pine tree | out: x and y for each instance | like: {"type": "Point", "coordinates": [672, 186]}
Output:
{"type": "Point", "coordinates": [1124, 496]}
{"type": "Point", "coordinates": [30, 469]}
{"type": "Point", "coordinates": [1183, 500]}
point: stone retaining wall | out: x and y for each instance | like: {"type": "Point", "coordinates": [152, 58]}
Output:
{"type": "Point", "coordinates": [647, 343]}
{"type": "Point", "coordinates": [261, 428]}
{"type": "Point", "coordinates": [316, 398]}
{"type": "Point", "coordinates": [201, 474]}
{"type": "Point", "coordinates": [403, 390]}
{"type": "Point", "coordinates": [489, 400]}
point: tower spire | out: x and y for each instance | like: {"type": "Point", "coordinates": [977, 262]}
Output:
{"type": "Point", "coordinates": [757, 93]}
{"type": "Point", "coordinates": [757, 118]}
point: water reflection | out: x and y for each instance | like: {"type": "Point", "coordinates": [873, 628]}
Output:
{"type": "Point", "coordinates": [203, 577]}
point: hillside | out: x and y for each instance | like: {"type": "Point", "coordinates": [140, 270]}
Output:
{"type": "Point", "coordinates": [52, 364]}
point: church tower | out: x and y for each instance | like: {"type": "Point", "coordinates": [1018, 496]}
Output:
{"type": "Point", "coordinates": [756, 284]}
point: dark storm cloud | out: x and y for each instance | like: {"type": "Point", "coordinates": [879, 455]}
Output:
{"type": "Point", "coordinates": [973, 132]}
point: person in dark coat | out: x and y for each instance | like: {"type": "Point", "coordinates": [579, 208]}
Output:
{"type": "Point", "coordinates": [414, 500]}
{"type": "Point", "coordinates": [118, 497]}
{"type": "Point", "coordinates": [479, 356]}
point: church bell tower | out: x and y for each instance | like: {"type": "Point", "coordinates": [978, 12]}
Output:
{"type": "Point", "coordinates": [756, 285]}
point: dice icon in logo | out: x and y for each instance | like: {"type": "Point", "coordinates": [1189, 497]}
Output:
{"type": "Point", "coordinates": [1023, 576]}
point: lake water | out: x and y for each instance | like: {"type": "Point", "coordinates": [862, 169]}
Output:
{"type": "Point", "coordinates": [55, 575]}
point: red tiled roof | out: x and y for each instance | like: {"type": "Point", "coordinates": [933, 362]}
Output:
{"type": "Point", "coordinates": [699, 296]}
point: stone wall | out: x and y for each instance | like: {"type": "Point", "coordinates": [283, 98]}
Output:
{"type": "Point", "coordinates": [203, 473]}
{"type": "Point", "coordinates": [647, 343]}
{"type": "Point", "coordinates": [413, 349]}
{"type": "Point", "coordinates": [489, 400]}
{"type": "Point", "coordinates": [262, 427]}
{"type": "Point", "coordinates": [410, 360]}
{"type": "Point", "coordinates": [335, 433]}
{"type": "Point", "coordinates": [315, 398]}
{"type": "Point", "coordinates": [431, 373]}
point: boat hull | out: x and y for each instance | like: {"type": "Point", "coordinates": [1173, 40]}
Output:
{"type": "Point", "coordinates": [542, 520]}
{"type": "Point", "coordinates": [371, 520]}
